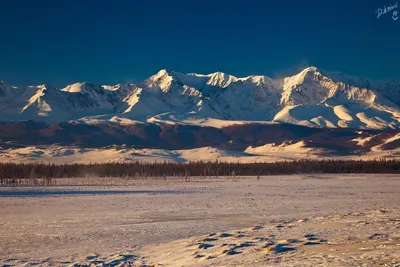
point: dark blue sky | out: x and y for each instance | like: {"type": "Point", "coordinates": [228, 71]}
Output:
{"type": "Point", "coordinates": [60, 42]}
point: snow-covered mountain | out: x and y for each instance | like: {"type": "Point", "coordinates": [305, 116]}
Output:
{"type": "Point", "coordinates": [310, 98]}
{"type": "Point", "coordinates": [49, 104]}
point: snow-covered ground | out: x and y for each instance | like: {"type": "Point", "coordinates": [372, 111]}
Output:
{"type": "Point", "coordinates": [333, 220]}
{"type": "Point", "coordinates": [267, 153]}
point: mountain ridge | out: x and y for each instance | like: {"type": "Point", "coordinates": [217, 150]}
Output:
{"type": "Point", "coordinates": [313, 98]}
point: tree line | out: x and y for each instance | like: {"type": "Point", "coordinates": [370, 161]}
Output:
{"type": "Point", "coordinates": [14, 172]}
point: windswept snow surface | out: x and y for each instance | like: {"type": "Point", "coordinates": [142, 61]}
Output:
{"type": "Point", "coordinates": [296, 220]}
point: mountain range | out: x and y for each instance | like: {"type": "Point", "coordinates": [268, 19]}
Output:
{"type": "Point", "coordinates": [210, 117]}
{"type": "Point", "coordinates": [312, 98]}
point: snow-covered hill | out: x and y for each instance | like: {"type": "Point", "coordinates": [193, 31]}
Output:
{"type": "Point", "coordinates": [310, 98]}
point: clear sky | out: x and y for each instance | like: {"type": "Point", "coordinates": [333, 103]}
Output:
{"type": "Point", "coordinates": [107, 42]}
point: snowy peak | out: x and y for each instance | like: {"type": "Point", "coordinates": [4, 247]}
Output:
{"type": "Point", "coordinates": [165, 75]}
{"type": "Point", "coordinates": [74, 88]}
{"type": "Point", "coordinates": [82, 88]}
{"type": "Point", "coordinates": [160, 75]}
{"type": "Point", "coordinates": [308, 75]}
{"type": "Point", "coordinates": [220, 79]}
{"type": "Point", "coordinates": [309, 87]}
{"type": "Point", "coordinates": [161, 80]}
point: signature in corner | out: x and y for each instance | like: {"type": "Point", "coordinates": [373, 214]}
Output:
{"type": "Point", "coordinates": [387, 9]}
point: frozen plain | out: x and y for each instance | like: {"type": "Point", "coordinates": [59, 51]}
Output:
{"type": "Point", "coordinates": [298, 220]}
